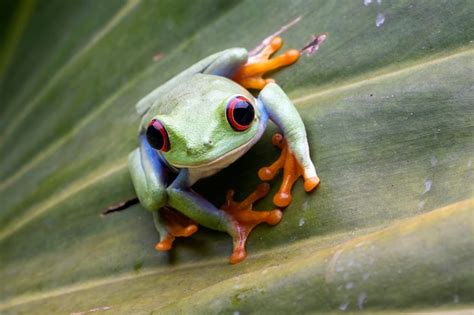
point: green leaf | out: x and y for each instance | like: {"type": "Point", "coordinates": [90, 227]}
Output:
{"type": "Point", "coordinates": [388, 111]}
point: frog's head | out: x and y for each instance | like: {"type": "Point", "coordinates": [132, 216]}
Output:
{"type": "Point", "coordinates": [209, 118]}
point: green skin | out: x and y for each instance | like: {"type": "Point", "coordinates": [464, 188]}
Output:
{"type": "Point", "coordinates": [192, 106]}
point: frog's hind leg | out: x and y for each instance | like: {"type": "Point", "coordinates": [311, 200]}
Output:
{"type": "Point", "coordinates": [172, 224]}
{"type": "Point", "coordinates": [250, 74]}
{"type": "Point", "coordinates": [245, 219]}
{"type": "Point", "coordinates": [237, 219]}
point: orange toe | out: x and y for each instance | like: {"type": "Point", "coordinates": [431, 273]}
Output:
{"type": "Point", "coordinates": [189, 230]}
{"type": "Point", "coordinates": [292, 170]}
{"type": "Point", "coordinates": [311, 183]}
{"type": "Point", "coordinates": [282, 199]}
{"type": "Point", "coordinates": [292, 56]}
{"type": "Point", "coordinates": [265, 173]}
{"type": "Point", "coordinates": [165, 244]}
{"type": "Point", "coordinates": [275, 217]}
{"type": "Point", "coordinates": [177, 224]}
{"type": "Point", "coordinates": [237, 256]}
{"type": "Point", "coordinates": [245, 219]}
{"type": "Point", "coordinates": [250, 74]}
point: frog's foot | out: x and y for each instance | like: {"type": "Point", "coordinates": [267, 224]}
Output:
{"type": "Point", "coordinates": [291, 172]}
{"type": "Point", "coordinates": [177, 224]}
{"type": "Point", "coordinates": [250, 74]}
{"type": "Point", "coordinates": [245, 219]}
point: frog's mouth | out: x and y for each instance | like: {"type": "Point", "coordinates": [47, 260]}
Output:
{"type": "Point", "coordinates": [224, 160]}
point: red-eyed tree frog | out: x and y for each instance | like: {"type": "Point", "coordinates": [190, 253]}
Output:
{"type": "Point", "coordinates": [201, 121]}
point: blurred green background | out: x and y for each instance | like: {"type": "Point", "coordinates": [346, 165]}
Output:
{"type": "Point", "coordinates": [388, 106]}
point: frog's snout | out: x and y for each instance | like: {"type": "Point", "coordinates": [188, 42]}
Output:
{"type": "Point", "coordinates": [199, 147]}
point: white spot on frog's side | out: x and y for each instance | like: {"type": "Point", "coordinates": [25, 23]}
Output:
{"type": "Point", "coordinates": [434, 161]}
{"type": "Point", "coordinates": [349, 285]}
{"type": "Point", "coordinates": [301, 222]}
{"type": "Point", "coordinates": [456, 299]}
{"type": "Point", "coordinates": [379, 2]}
{"type": "Point", "coordinates": [361, 300]}
{"type": "Point", "coordinates": [379, 19]}
{"type": "Point", "coordinates": [367, 2]}
{"type": "Point", "coordinates": [428, 183]}
{"type": "Point", "coordinates": [469, 163]}
{"type": "Point", "coordinates": [236, 313]}
{"type": "Point", "coordinates": [339, 268]}
{"type": "Point", "coordinates": [344, 305]}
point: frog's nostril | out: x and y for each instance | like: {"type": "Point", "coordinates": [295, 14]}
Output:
{"type": "Point", "coordinates": [208, 143]}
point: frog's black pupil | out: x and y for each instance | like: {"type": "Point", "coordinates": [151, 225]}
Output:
{"type": "Point", "coordinates": [154, 137]}
{"type": "Point", "coordinates": [243, 113]}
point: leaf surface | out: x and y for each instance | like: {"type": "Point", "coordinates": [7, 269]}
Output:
{"type": "Point", "coordinates": [388, 111]}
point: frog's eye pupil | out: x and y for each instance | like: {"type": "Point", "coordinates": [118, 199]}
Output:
{"type": "Point", "coordinates": [240, 113]}
{"type": "Point", "coordinates": [157, 136]}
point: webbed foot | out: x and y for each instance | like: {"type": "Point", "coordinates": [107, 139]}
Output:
{"type": "Point", "coordinates": [291, 172]}
{"type": "Point", "coordinates": [177, 224]}
{"type": "Point", "coordinates": [245, 219]}
{"type": "Point", "coordinates": [250, 74]}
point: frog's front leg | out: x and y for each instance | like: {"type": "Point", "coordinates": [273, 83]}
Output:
{"type": "Point", "coordinates": [295, 158]}
{"type": "Point", "coordinates": [237, 219]}
{"type": "Point", "coordinates": [150, 177]}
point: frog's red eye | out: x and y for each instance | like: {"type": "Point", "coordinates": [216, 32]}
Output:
{"type": "Point", "coordinates": [240, 113]}
{"type": "Point", "coordinates": [157, 136]}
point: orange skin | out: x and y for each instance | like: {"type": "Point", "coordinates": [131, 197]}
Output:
{"type": "Point", "coordinates": [178, 225]}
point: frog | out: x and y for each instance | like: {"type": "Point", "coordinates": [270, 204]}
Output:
{"type": "Point", "coordinates": [200, 122]}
